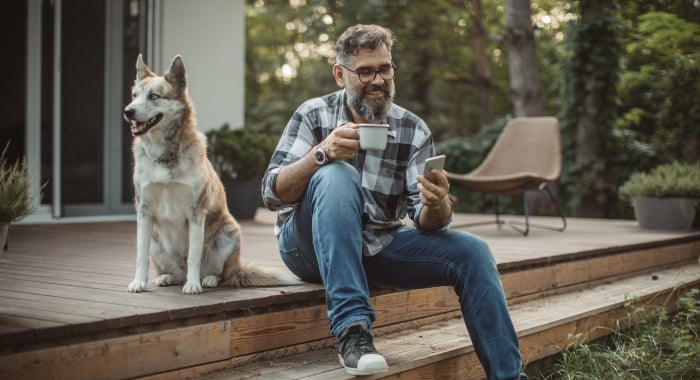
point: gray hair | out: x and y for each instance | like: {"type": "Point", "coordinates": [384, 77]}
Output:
{"type": "Point", "coordinates": [359, 37]}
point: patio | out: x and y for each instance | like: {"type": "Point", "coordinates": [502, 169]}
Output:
{"type": "Point", "coordinates": [65, 312]}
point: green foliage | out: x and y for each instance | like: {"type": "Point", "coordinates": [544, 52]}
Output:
{"type": "Point", "coordinates": [661, 85]}
{"type": "Point", "coordinates": [675, 180]}
{"type": "Point", "coordinates": [662, 345]}
{"type": "Point", "coordinates": [638, 58]}
{"type": "Point", "coordinates": [15, 202]}
{"type": "Point", "coordinates": [434, 54]}
{"type": "Point", "coordinates": [590, 67]}
{"type": "Point", "coordinates": [242, 153]}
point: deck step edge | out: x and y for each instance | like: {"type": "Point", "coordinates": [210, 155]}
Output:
{"type": "Point", "coordinates": [448, 339]}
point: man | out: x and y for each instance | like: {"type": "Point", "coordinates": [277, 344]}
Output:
{"type": "Point", "coordinates": [340, 211]}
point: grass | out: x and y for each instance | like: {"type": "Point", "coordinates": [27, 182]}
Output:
{"type": "Point", "coordinates": [662, 345]}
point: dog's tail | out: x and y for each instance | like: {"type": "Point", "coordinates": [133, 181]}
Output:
{"type": "Point", "coordinates": [251, 275]}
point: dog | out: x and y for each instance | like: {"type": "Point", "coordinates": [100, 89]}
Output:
{"type": "Point", "coordinates": [183, 222]}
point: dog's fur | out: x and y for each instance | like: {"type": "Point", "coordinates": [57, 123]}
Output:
{"type": "Point", "coordinates": [183, 222]}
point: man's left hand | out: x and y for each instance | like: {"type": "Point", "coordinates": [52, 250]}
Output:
{"type": "Point", "coordinates": [433, 194]}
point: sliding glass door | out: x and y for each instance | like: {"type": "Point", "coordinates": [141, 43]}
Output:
{"type": "Point", "coordinates": [69, 66]}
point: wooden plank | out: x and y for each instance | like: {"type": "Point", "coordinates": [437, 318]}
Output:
{"type": "Point", "coordinates": [274, 330]}
{"type": "Point", "coordinates": [196, 372]}
{"type": "Point", "coordinates": [95, 281]}
{"type": "Point", "coordinates": [544, 326]}
{"type": "Point", "coordinates": [41, 304]}
{"type": "Point", "coordinates": [88, 263]}
{"type": "Point", "coordinates": [12, 335]}
{"type": "Point", "coordinates": [126, 357]}
{"type": "Point", "coordinates": [545, 278]}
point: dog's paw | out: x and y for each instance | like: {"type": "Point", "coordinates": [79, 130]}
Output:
{"type": "Point", "coordinates": [210, 282]}
{"type": "Point", "coordinates": [165, 280]}
{"type": "Point", "coordinates": [136, 286]}
{"type": "Point", "coordinates": [192, 288]}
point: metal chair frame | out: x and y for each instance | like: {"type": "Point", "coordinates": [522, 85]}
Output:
{"type": "Point", "coordinates": [526, 223]}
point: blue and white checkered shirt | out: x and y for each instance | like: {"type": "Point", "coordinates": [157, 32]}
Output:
{"type": "Point", "coordinates": [388, 177]}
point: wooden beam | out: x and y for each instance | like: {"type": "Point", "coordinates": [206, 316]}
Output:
{"type": "Point", "coordinates": [126, 357]}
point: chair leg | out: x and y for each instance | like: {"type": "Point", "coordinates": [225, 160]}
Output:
{"type": "Point", "coordinates": [558, 207]}
{"type": "Point", "coordinates": [527, 221]}
{"type": "Point", "coordinates": [499, 222]}
{"type": "Point", "coordinates": [527, 218]}
{"type": "Point", "coordinates": [497, 210]}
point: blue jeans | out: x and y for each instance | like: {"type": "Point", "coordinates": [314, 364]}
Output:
{"type": "Point", "coordinates": [322, 242]}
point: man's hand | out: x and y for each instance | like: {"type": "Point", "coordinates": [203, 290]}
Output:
{"type": "Point", "coordinates": [292, 179]}
{"type": "Point", "coordinates": [438, 209]}
{"type": "Point", "coordinates": [342, 143]}
{"type": "Point", "coordinates": [433, 194]}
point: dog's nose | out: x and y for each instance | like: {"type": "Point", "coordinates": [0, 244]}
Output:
{"type": "Point", "coordinates": [129, 113]}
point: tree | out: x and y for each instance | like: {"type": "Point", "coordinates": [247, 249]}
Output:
{"type": "Point", "coordinates": [482, 80]}
{"type": "Point", "coordinates": [591, 74]}
{"type": "Point", "coordinates": [660, 87]}
{"type": "Point", "coordinates": [526, 92]}
{"type": "Point", "coordinates": [519, 40]}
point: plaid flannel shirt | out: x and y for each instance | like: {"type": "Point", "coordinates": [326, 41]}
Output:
{"type": "Point", "coordinates": [388, 177]}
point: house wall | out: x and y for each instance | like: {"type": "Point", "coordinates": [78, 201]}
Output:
{"type": "Point", "coordinates": [210, 36]}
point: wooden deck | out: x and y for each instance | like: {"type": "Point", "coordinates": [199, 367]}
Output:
{"type": "Point", "coordinates": [63, 297]}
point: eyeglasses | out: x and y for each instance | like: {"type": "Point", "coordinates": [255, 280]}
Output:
{"type": "Point", "coordinates": [367, 75]}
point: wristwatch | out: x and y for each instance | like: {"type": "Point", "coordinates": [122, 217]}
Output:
{"type": "Point", "coordinates": [320, 157]}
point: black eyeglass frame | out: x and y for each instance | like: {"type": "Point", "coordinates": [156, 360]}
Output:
{"type": "Point", "coordinates": [375, 72]}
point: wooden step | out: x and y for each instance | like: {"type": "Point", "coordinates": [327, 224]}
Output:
{"type": "Point", "coordinates": [444, 350]}
{"type": "Point", "coordinates": [69, 318]}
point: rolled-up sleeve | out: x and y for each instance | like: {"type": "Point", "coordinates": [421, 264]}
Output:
{"type": "Point", "coordinates": [296, 141]}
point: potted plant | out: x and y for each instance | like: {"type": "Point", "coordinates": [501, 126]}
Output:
{"type": "Point", "coordinates": [240, 157]}
{"type": "Point", "coordinates": [665, 197]}
{"type": "Point", "coordinates": [15, 201]}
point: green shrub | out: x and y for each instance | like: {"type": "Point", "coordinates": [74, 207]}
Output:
{"type": "Point", "coordinates": [15, 202]}
{"type": "Point", "coordinates": [676, 180]}
{"type": "Point", "coordinates": [241, 153]}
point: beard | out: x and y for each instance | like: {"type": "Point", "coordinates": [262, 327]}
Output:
{"type": "Point", "coordinates": [375, 109]}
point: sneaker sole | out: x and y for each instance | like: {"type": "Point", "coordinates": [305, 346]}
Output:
{"type": "Point", "coordinates": [369, 364]}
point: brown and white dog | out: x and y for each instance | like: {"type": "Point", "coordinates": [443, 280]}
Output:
{"type": "Point", "coordinates": [183, 223]}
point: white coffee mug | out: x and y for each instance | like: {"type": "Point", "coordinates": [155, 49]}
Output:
{"type": "Point", "coordinates": [373, 136]}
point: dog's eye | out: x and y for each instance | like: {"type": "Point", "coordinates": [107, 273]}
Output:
{"type": "Point", "coordinates": [154, 96]}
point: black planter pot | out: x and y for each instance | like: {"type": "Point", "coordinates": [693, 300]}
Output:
{"type": "Point", "coordinates": [242, 196]}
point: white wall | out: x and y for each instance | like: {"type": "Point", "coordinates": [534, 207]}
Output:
{"type": "Point", "coordinates": [210, 36]}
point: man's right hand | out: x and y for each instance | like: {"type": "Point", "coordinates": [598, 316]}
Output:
{"type": "Point", "coordinates": [343, 143]}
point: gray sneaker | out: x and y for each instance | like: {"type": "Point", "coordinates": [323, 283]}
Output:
{"type": "Point", "coordinates": [357, 353]}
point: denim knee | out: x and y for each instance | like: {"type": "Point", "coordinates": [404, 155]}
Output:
{"type": "Point", "coordinates": [474, 256]}
{"type": "Point", "coordinates": [336, 174]}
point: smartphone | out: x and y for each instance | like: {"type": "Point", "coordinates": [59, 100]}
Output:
{"type": "Point", "coordinates": [437, 162]}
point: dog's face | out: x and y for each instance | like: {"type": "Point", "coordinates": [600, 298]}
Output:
{"type": "Point", "coordinates": [156, 100]}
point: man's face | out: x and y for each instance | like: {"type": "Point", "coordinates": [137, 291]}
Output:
{"type": "Point", "coordinates": [370, 101]}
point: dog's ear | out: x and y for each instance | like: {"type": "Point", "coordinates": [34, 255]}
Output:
{"type": "Point", "coordinates": [176, 74]}
{"type": "Point", "coordinates": [142, 70]}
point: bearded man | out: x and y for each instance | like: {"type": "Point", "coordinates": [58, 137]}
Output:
{"type": "Point", "coordinates": [341, 211]}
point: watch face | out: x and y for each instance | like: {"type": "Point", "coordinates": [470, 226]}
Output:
{"type": "Point", "coordinates": [320, 157]}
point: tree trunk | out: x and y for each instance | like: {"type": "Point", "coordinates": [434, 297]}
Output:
{"type": "Point", "coordinates": [483, 65]}
{"type": "Point", "coordinates": [589, 137]}
{"type": "Point", "coordinates": [423, 59]}
{"type": "Point", "coordinates": [519, 40]}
